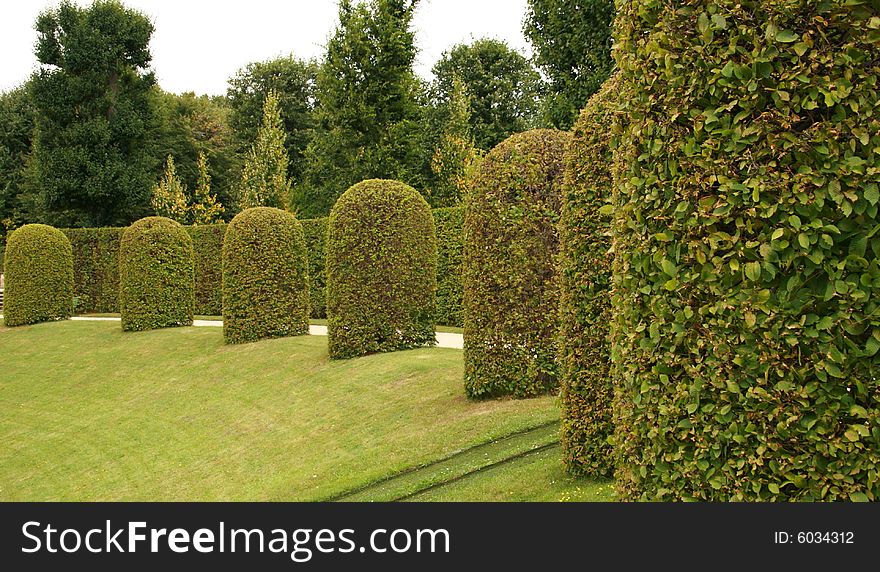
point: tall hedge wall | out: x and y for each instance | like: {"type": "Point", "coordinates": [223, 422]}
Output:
{"type": "Point", "coordinates": [207, 251]}
{"type": "Point", "coordinates": [156, 275]}
{"type": "Point", "coordinates": [449, 223]}
{"type": "Point", "coordinates": [747, 302]}
{"type": "Point", "coordinates": [265, 277]}
{"type": "Point", "coordinates": [95, 269]}
{"type": "Point", "coordinates": [381, 270]}
{"type": "Point", "coordinates": [585, 291]}
{"type": "Point", "coordinates": [39, 276]}
{"type": "Point", "coordinates": [509, 273]}
{"type": "Point", "coordinates": [315, 232]}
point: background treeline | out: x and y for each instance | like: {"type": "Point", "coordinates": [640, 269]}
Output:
{"type": "Point", "coordinates": [89, 137]}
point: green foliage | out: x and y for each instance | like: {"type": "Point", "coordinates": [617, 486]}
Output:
{"type": "Point", "coordinates": [264, 176]}
{"type": "Point", "coordinates": [367, 114]}
{"type": "Point", "coordinates": [503, 86]}
{"type": "Point", "coordinates": [315, 233]}
{"type": "Point", "coordinates": [91, 93]}
{"type": "Point", "coordinates": [293, 80]}
{"type": "Point", "coordinates": [455, 156]}
{"type": "Point", "coordinates": [95, 269]}
{"type": "Point", "coordinates": [39, 276]}
{"type": "Point", "coordinates": [168, 198]}
{"type": "Point", "coordinates": [747, 279]}
{"type": "Point", "coordinates": [204, 208]}
{"type": "Point", "coordinates": [208, 257]}
{"type": "Point", "coordinates": [156, 275]}
{"type": "Point", "coordinates": [449, 223]}
{"type": "Point", "coordinates": [509, 277]}
{"type": "Point", "coordinates": [585, 261]}
{"type": "Point", "coordinates": [265, 277]}
{"type": "Point", "coordinates": [381, 270]}
{"type": "Point", "coordinates": [572, 41]}
{"type": "Point", "coordinates": [19, 203]}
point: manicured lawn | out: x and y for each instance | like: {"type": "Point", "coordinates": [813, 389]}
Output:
{"type": "Point", "coordinates": [92, 413]}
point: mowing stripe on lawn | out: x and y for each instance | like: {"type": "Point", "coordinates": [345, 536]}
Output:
{"type": "Point", "coordinates": [456, 466]}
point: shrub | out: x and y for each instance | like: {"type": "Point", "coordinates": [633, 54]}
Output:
{"type": "Point", "coordinates": [747, 285]}
{"type": "Point", "coordinates": [265, 277]}
{"type": "Point", "coordinates": [381, 270]}
{"type": "Point", "coordinates": [315, 231]}
{"type": "Point", "coordinates": [156, 281]}
{"type": "Point", "coordinates": [39, 276]}
{"type": "Point", "coordinates": [585, 293]}
{"type": "Point", "coordinates": [449, 223]}
{"type": "Point", "coordinates": [207, 252]}
{"type": "Point", "coordinates": [95, 269]}
{"type": "Point", "coordinates": [509, 276]}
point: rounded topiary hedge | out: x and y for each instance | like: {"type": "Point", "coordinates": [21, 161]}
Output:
{"type": "Point", "coordinates": [381, 270]}
{"type": "Point", "coordinates": [747, 291]}
{"type": "Point", "coordinates": [156, 275]}
{"type": "Point", "coordinates": [585, 290]}
{"type": "Point", "coordinates": [265, 277]}
{"type": "Point", "coordinates": [509, 278]}
{"type": "Point", "coordinates": [38, 276]}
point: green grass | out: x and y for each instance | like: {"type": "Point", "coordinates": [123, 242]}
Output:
{"type": "Point", "coordinates": [92, 413]}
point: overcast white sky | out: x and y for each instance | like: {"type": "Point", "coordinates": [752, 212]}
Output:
{"type": "Point", "coordinates": [199, 44]}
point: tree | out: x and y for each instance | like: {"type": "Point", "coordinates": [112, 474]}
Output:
{"type": "Point", "coordinates": [91, 96]}
{"type": "Point", "coordinates": [455, 156]}
{"type": "Point", "coordinates": [294, 82]}
{"type": "Point", "coordinates": [504, 87]}
{"type": "Point", "coordinates": [168, 198]}
{"type": "Point", "coordinates": [572, 41]}
{"type": "Point", "coordinates": [18, 204]}
{"type": "Point", "coordinates": [367, 111]}
{"type": "Point", "coordinates": [264, 181]}
{"type": "Point", "coordinates": [204, 208]}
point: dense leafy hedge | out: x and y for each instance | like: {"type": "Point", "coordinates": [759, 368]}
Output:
{"type": "Point", "coordinates": [315, 232]}
{"type": "Point", "coordinates": [95, 269]}
{"type": "Point", "coordinates": [156, 275]}
{"type": "Point", "coordinates": [585, 291]}
{"type": "Point", "coordinates": [509, 277]}
{"type": "Point", "coordinates": [747, 296]}
{"type": "Point", "coordinates": [449, 223]}
{"type": "Point", "coordinates": [381, 270]}
{"type": "Point", "coordinates": [265, 277]}
{"type": "Point", "coordinates": [39, 276]}
{"type": "Point", "coordinates": [207, 252]}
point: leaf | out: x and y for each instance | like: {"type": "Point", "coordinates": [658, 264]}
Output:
{"type": "Point", "coordinates": [859, 497]}
{"type": "Point", "coordinates": [777, 234]}
{"type": "Point", "coordinates": [669, 268]}
{"type": "Point", "coordinates": [872, 194]}
{"type": "Point", "coordinates": [801, 48]}
{"type": "Point", "coordinates": [786, 36]}
{"type": "Point", "coordinates": [753, 271]}
{"type": "Point", "coordinates": [606, 210]}
{"type": "Point", "coordinates": [804, 240]}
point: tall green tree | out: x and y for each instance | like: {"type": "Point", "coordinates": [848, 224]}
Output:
{"type": "Point", "coordinates": [91, 96]}
{"type": "Point", "coordinates": [456, 154]}
{"type": "Point", "coordinates": [294, 82]}
{"type": "Point", "coordinates": [505, 89]}
{"type": "Point", "coordinates": [264, 181]}
{"type": "Point", "coordinates": [204, 207]}
{"type": "Point", "coordinates": [572, 42]}
{"type": "Point", "coordinates": [169, 196]}
{"type": "Point", "coordinates": [367, 112]}
{"type": "Point", "coordinates": [18, 203]}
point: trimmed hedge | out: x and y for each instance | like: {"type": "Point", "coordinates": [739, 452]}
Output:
{"type": "Point", "coordinates": [39, 276]}
{"type": "Point", "coordinates": [95, 269]}
{"type": "Point", "coordinates": [585, 261]}
{"type": "Point", "coordinates": [265, 277]}
{"type": "Point", "coordinates": [208, 255]}
{"type": "Point", "coordinates": [156, 275]}
{"type": "Point", "coordinates": [509, 275]}
{"type": "Point", "coordinates": [315, 232]}
{"type": "Point", "coordinates": [747, 298]}
{"type": "Point", "coordinates": [381, 270]}
{"type": "Point", "coordinates": [449, 223]}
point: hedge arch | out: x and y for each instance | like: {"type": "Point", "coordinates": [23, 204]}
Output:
{"type": "Point", "coordinates": [381, 270]}
{"type": "Point", "coordinates": [585, 263]}
{"type": "Point", "coordinates": [747, 303]}
{"type": "Point", "coordinates": [38, 275]}
{"type": "Point", "coordinates": [265, 277]}
{"type": "Point", "coordinates": [156, 275]}
{"type": "Point", "coordinates": [509, 276]}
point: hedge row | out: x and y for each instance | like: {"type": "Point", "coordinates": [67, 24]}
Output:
{"type": "Point", "coordinates": [509, 273]}
{"type": "Point", "coordinates": [315, 233]}
{"type": "Point", "coordinates": [207, 248]}
{"type": "Point", "coordinates": [449, 223]}
{"type": "Point", "coordinates": [381, 270]}
{"type": "Point", "coordinates": [39, 280]}
{"type": "Point", "coordinates": [95, 269]}
{"type": "Point", "coordinates": [747, 285]}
